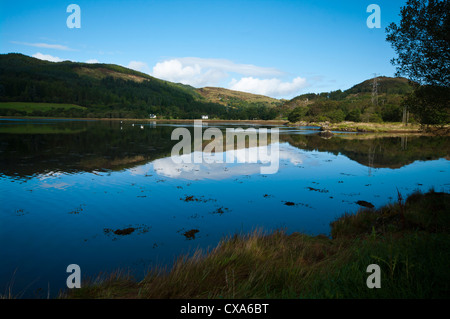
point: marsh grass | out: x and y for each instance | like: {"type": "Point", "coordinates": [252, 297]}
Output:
{"type": "Point", "coordinates": [413, 256]}
{"type": "Point", "coordinates": [376, 127]}
{"type": "Point", "coordinates": [118, 284]}
{"type": "Point", "coordinates": [11, 293]}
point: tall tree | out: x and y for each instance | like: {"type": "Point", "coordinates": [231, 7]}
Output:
{"type": "Point", "coordinates": [422, 43]}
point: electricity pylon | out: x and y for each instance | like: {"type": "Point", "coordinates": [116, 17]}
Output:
{"type": "Point", "coordinates": [375, 90]}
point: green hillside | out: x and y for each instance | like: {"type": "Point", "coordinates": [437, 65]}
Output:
{"type": "Point", "coordinates": [355, 104]}
{"type": "Point", "coordinates": [386, 85]}
{"type": "Point", "coordinates": [33, 87]}
{"type": "Point", "coordinates": [100, 90]}
{"type": "Point", "coordinates": [235, 98]}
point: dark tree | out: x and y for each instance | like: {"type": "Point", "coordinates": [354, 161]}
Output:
{"type": "Point", "coordinates": [422, 42]}
{"type": "Point", "coordinates": [430, 104]}
{"type": "Point", "coordinates": [296, 114]}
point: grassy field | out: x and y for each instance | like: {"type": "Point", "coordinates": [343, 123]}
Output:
{"type": "Point", "coordinates": [29, 107]}
{"type": "Point", "coordinates": [409, 240]}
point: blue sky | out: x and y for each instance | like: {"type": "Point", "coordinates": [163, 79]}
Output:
{"type": "Point", "coordinates": [276, 48]}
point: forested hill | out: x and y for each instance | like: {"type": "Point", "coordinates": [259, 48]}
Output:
{"type": "Point", "coordinates": [33, 87]}
{"type": "Point", "coordinates": [104, 90]}
{"type": "Point", "coordinates": [355, 104]}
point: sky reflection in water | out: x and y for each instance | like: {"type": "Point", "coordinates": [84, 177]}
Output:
{"type": "Point", "coordinates": [50, 218]}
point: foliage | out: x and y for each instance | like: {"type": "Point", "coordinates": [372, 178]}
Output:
{"type": "Point", "coordinates": [354, 115]}
{"type": "Point", "coordinates": [354, 104]}
{"type": "Point", "coordinates": [107, 91]}
{"type": "Point", "coordinates": [422, 43]}
{"type": "Point", "coordinates": [297, 114]}
{"type": "Point", "coordinates": [431, 104]}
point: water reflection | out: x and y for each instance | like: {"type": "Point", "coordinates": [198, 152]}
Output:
{"type": "Point", "coordinates": [29, 148]}
{"type": "Point", "coordinates": [67, 188]}
{"type": "Point", "coordinates": [219, 171]}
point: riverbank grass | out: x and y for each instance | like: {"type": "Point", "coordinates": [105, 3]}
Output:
{"type": "Point", "coordinates": [386, 127]}
{"type": "Point", "coordinates": [409, 240]}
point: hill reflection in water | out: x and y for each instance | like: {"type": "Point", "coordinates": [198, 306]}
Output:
{"type": "Point", "coordinates": [69, 188]}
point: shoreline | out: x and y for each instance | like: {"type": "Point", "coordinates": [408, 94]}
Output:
{"type": "Point", "coordinates": [278, 122]}
{"type": "Point", "coordinates": [342, 127]}
{"type": "Point", "coordinates": [407, 239]}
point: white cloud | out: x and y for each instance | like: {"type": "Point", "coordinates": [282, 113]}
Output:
{"type": "Point", "coordinates": [92, 61]}
{"type": "Point", "coordinates": [229, 66]}
{"type": "Point", "coordinates": [206, 72]}
{"type": "Point", "coordinates": [138, 66]}
{"type": "Point", "coordinates": [47, 57]}
{"type": "Point", "coordinates": [270, 87]}
{"type": "Point", "coordinates": [200, 72]}
{"type": "Point", "coordinates": [175, 71]}
{"type": "Point", "coordinates": [45, 45]}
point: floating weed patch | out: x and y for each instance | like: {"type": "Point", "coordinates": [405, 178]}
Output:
{"type": "Point", "coordinates": [20, 212]}
{"type": "Point", "coordinates": [197, 199]}
{"type": "Point", "coordinates": [221, 210]}
{"type": "Point", "coordinates": [125, 231]}
{"type": "Point", "coordinates": [289, 203]}
{"type": "Point", "coordinates": [189, 199]}
{"type": "Point", "coordinates": [139, 229]}
{"type": "Point", "coordinates": [78, 210]}
{"type": "Point", "coordinates": [190, 234]}
{"type": "Point", "coordinates": [365, 204]}
{"type": "Point", "coordinates": [317, 190]}
{"type": "Point", "coordinates": [296, 204]}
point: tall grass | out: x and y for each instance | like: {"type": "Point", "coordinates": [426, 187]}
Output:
{"type": "Point", "coordinates": [413, 254]}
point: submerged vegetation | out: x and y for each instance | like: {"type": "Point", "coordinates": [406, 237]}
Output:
{"type": "Point", "coordinates": [410, 241]}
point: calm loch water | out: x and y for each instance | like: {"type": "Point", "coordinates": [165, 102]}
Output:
{"type": "Point", "coordinates": [106, 195]}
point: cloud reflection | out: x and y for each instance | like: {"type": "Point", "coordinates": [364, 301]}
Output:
{"type": "Point", "coordinates": [218, 171]}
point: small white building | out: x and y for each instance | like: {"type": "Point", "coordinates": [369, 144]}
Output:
{"type": "Point", "coordinates": [152, 116]}
{"type": "Point", "coordinates": [204, 117]}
